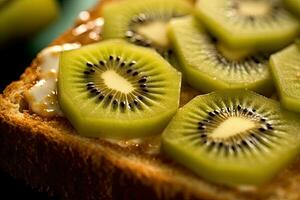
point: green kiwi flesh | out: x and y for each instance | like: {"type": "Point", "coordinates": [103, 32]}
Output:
{"type": "Point", "coordinates": [21, 18]}
{"type": "Point", "coordinates": [207, 69]}
{"type": "Point", "coordinates": [118, 90]}
{"type": "Point", "coordinates": [143, 22]}
{"type": "Point", "coordinates": [252, 24]}
{"type": "Point", "coordinates": [233, 137]}
{"type": "Point", "coordinates": [285, 67]}
{"type": "Point", "coordinates": [293, 6]}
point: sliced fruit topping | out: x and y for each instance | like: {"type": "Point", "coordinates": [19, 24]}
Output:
{"type": "Point", "coordinates": [209, 65]}
{"type": "Point", "coordinates": [233, 137]}
{"type": "Point", "coordinates": [118, 90]}
{"type": "Point", "coordinates": [143, 22]}
{"type": "Point", "coordinates": [254, 24]}
{"type": "Point", "coordinates": [285, 67]}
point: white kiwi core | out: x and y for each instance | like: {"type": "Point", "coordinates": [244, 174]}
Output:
{"type": "Point", "coordinates": [155, 31]}
{"type": "Point", "coordinates": [114, 81]}
{"type": "Point", "coordinates": [232, 126]}
{"type": "Point", "coordinates": [254, 8]}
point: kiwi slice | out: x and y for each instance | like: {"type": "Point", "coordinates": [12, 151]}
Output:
{"type": "Point", "coordinates": [257, 24]}
{"type": "Point", "coordinates": [233, 137]}
{"type": "Point", "coordinates": [21, 18]}
{"type": "Point", "coordinates": [208, 65]}
{"type": "Point", "coordinates": [117, 90]}
{"type": "Point", "coordinates": [143, 23]}
{"type": "Point", "coordinates": [285, 67]}
{"type": "Point", "coordinates": [293, 6]}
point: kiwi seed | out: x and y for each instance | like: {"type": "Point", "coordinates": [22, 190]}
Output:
{"type": "Point", "coordinates": [263, 25]}
{"type": "Point", "coordinates": [122, 90]}
{"type": "Point", "coordinates": [131, 100]}
{"type": "Point", "coordinates": [208, 65]}
{"type": "Point", "coordinates": [233, 137]}
{"type": "Point", "coordinates": [136, 15]}
{"type": "Point", "coordinates": [134, 37]}
{"type": "Point", "coordinates": [216, 117]}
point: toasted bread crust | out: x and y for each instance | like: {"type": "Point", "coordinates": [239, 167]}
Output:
{"type": "Point", "coordinates": [48, 154]}
{"type": "Point", "coordinates": [60, 167]}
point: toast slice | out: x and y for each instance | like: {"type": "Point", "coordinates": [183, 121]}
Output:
{"type": "Point", "coordinates": [49, 155]}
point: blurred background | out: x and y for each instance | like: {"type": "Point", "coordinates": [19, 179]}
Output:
{"type": "Point", "coordinates": [26, 27]}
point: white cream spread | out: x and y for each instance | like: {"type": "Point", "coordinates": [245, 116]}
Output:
{"type": "Point", "coordinates": [42, 97]}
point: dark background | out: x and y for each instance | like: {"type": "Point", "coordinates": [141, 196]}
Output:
{"type": "Point", "coordinates": [14, 59]}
